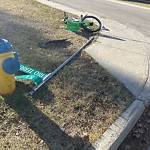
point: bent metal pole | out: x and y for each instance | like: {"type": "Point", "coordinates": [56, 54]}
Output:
{"type": "Point", "coordinates": [50, 75]}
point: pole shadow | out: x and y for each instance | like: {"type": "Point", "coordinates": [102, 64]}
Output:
{"type": "Point", "coordinates": [111, 37]}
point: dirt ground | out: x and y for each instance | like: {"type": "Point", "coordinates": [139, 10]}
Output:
{"type": "Point", "coordinates": [139, 138]}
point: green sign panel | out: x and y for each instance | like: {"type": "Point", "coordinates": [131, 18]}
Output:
{"type": "Point", "coordinates": [31, 71]}
{"type": "Point", "coordinates": [34, 75]}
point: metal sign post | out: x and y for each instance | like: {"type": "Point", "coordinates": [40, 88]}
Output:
{"type": "Point", "coordinates": [50, 75]}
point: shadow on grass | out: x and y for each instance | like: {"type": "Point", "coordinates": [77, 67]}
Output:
{"type": "Point", "coordinates": [25, 35]}
{"type": "Point", "coordinates": [43, 126]}
{"type": "Point", "coordinates": [61, 44]}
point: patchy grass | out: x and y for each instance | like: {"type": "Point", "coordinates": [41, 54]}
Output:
{"type": "Point", "coordinates": [139, 3]}
{"type": "Point", "coordinates": [73, 109]}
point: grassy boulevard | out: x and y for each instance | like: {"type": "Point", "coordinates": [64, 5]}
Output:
{"type": "Point", "coordinates": [73, 109]}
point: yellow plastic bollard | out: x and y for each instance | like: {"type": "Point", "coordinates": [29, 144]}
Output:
{"type": "Point", "coordinates": [9, 65]}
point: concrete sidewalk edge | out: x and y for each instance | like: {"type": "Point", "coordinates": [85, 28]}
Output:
{"type": "Point", "coordinates": [116, 133]}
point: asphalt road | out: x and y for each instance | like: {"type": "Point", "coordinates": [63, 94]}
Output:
{"type": "Point", "coordinates": [134, 17]}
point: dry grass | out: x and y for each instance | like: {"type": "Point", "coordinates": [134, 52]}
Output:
{"type": "Point", "coordinates": [73, 109]}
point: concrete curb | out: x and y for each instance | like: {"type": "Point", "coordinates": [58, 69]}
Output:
{"type": "Point", "coordinates": [116, 133]}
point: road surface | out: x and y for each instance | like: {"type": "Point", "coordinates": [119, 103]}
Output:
{"type": "Point", "coordinates": [134, 17]}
